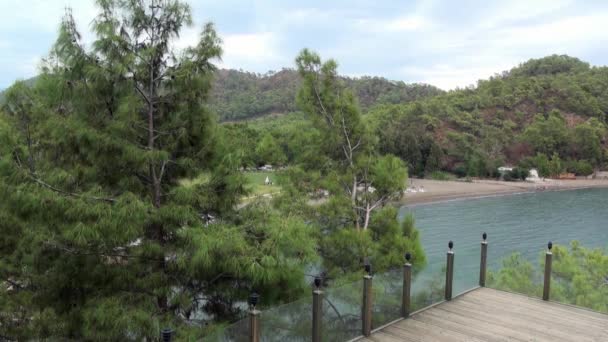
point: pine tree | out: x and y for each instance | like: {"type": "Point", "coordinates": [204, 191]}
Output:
{"type": "Point", "coordinates": [102, 238]}
{"type": "Point", "coordinates": [355, 222]}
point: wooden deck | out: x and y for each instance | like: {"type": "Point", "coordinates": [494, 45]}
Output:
{"type": "Point", "coordinates": [491, 315]}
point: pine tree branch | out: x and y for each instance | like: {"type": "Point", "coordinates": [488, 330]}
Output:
{"type": "Point", "coordinates": [162, 170]}
{"type": "Point", "coordinates": [72, 194]}
{"type": "Point", "coordinates": [100, 253]}
{"type": "Point", "coordinates": [39, 181]}
{"type": "Point", "coordinates": [141, 93]}
{"type": "Point", "coordinates": [218, 277]}
{"type": "Point", "coordinates": [15, 284]}
{"type": "Point", "coordinates": [328, 117]}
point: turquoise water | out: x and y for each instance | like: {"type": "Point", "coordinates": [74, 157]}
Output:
{"type": "Point", "coordinates": [518, 223]}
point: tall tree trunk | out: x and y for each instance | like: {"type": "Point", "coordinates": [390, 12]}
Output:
{"type": "Point", "coordinates": [354, 203]}
{"type": "Point", "coordinates": [368, 211]}
{"type": "Point", "coordinates": [159, 234]}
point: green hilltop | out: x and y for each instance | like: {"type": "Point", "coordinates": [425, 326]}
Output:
{"type": "Point", "coordinates": [544, 113]}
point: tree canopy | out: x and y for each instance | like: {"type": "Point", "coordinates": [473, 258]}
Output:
{"type": "Point", "coordinates": [101, 238]}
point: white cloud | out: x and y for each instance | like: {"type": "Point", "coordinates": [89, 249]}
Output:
{"type": "Point", "coordinates": [44, 15]}
{"type": "Point", "coordinates": [565, 32]}
{"type": "Point", "coordinates": [521, 10]}
{"type": "Point", "coordinates": [395, 25]}
{"type": "Point", "coordinates": [412, 23]}
{"type": "Point", "coordinates": [451, 76]}
{"type": "Point", "coordinates": [240, 49]}
{"type": "Point", "coordinates": [29, 68]}
{"type": "Point", "coordinates": [247, 48]}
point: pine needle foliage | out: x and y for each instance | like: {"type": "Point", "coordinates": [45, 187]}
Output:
{"type": "Point", "coordinates": [101, 238]}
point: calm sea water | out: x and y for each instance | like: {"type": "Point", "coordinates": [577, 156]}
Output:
{"type": "Point", "coordinates": [518, 223]}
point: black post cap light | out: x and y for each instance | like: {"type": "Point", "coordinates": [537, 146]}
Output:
{"type": "Point", "coordinates": [253, 299]}
{"type": "Point", "coordinates": [368, 267]}
{"type": "Point", "coordinates": [450, 244]}
{"type": "Point", "coordinates": [484, 236]}
{"type": "Point", "coordinates": [550, 245]}
{"type": "Point", "coordinates": [318, 281]}
{"type": "Point", "coordinates": [408, 256]}
{"type": "Point", "coordinates": [166, 334]}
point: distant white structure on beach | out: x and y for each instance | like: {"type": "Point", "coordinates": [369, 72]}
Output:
{"type": "Point", "coordinates": [505, 169]}
{"type": "Point", "coordinates": [413, 190]}
{"type": "Point", "coordinates": [533, 176]}
{"type": "Point", "coordinates": [267, 181]}
{"type": "Point", "coordinates": [266, 167]}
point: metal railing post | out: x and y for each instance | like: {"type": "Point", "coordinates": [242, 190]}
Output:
{"type": "Point", "coordinates": [449, 272]}
{"type": "Point", "coordinates": [367, 301]}
{"type": "Point", "coordinates": [254, 318]}
{"type": "Point", "coordinates": [484, 260]}
{"type": "Point", "coordinates": [547, 284]}
{"type": "Point", "coordinates": [166, 334]}
{"type": "Point", "coordinates": [407, 285]}
{"type": "Point", "coordinates": [317, 310]}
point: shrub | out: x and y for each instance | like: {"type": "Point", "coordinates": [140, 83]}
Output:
{"type": "Point", "coordinates": [460, 170]}
{"type": "Point", "coordinates": [516, 174]}
{"type": "Point", "coordinates": [579, 167]}
{"type": "Point", "coordinates": [440, 175]}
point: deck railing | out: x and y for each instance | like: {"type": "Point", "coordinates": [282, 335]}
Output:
{"type": "Point", "coordinates": [357, 309]}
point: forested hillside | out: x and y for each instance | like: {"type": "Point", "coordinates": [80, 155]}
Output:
{"type": "Point", "coordinates": [547, 113]}
{"type": "Point", "coordinates": [239, 95]}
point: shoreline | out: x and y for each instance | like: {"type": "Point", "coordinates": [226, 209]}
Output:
{"type": "Point", "coordinates": [448, 191]}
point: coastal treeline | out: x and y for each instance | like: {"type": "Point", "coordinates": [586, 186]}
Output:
{"type": "Point", "coordinates": [548, 114]}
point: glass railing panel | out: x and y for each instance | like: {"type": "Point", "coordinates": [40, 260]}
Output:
{"type": "Point", "coordinates": [466, 269]}
{"type": "Point", "coordinates": [288, 322]}
{"type": "Point", "coordinates": [342, 312]}
{"type": "Point", "coordinates": [235, 332]}
{"type": "Point", "coordinates": [578, 275]}
{"type": "Point", "coordinates": [387, 290]}
{"type": "Point", "coordinates": [516, 270]}
{"type": "Point", "coordinates": [428, 285]}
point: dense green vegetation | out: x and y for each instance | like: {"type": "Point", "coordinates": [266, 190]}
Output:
{"type": "Point", "coordinates": [239, 95]}
{"type": "Point", "coordinates": [122, 206]}
{"type": "Point", "coordinates": [102, 239]}
{"type": "Point", "coordinates": [123, 197]}
{"type": "Point", "coordinates": [548, 114]}
{"type": "Point", "coordinates": [545, 108]}
{"type": "Point", "coordinates": [552, 108]}
{"type": "Point", "coordinates": [578, 276]}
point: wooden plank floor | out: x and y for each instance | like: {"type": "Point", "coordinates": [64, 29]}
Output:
{"type": "Point", "coordinates": [490, 315]}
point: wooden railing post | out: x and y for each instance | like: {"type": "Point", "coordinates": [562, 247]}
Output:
{"type": "Point", "coordinates": [317, 310]}
{"type": "Point", "coordinates": [484, 260]}
{"type": "Point", "coordinates": [449, 272]}
{"type": "Point", "coordinates": [407, 285]}
{"type": "Point", "coordinates": [367, 301]}
{"type": "Point", "coordinates": [254, 318]}
{"type": "Point", "coordinates": [547, 285]}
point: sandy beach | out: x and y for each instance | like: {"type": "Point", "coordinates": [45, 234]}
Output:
{"type": "Point", "coordinates": [439, 191]}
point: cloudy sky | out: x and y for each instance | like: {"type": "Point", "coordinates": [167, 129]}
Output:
{"type": "Point", "coordinates": [446, 43]}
